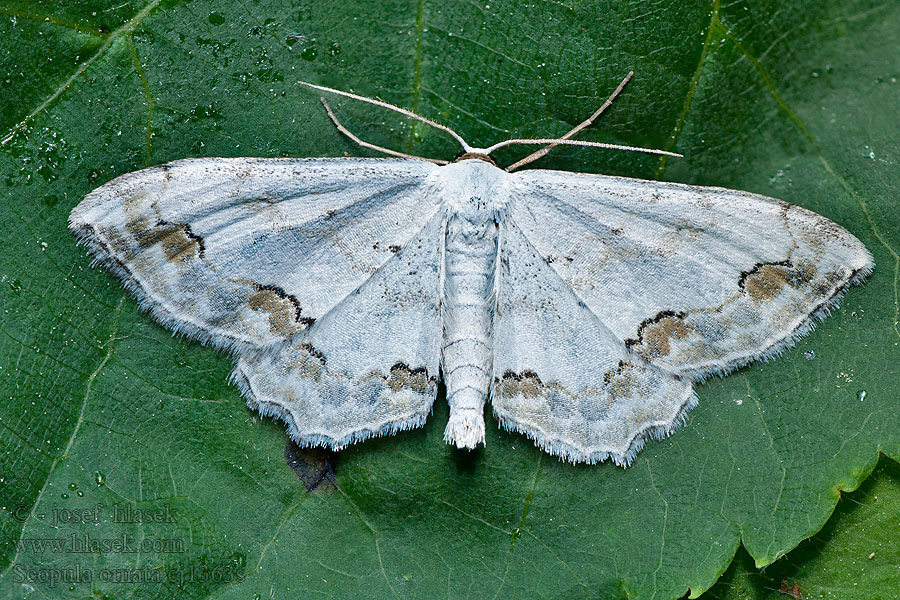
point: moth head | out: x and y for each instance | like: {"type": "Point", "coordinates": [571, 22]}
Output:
{"type": "Point", "coordinates": [466, 155]}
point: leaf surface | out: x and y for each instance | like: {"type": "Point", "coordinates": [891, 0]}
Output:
{"type": "Point", "coordinates": [99, 406]}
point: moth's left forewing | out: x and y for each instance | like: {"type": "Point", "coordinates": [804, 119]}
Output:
{"type": "Point", "coordinates": [694, 280]}
{"type": "Point", "coordinates": [319, 275]}
{"type": "Point", "coordinates": [247, 252]}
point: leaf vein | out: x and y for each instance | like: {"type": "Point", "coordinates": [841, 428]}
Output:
{"type": "Point", "coordinates": [65, 452]}
{"type": "Point", "coordinates": [689, 97]}
{"type": "Point", "coordinates": [126, 28]}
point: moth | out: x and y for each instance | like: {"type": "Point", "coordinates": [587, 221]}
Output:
{"type": "Point", "coordinates": [583, 306]}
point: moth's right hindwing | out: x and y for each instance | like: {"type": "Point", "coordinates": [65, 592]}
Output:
{"type": "Point", "coordinates": [562, 377]}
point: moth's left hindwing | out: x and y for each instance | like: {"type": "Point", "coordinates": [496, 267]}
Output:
{"type": "Point", "coordinates": [368, 367]}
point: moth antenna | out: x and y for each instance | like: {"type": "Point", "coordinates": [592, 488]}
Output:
{"type": "Point", "coordinates": [560, 141]}
{"type": "Point", "coordinates": [389, 106]}
{"type": "Point", "coordinates": [353, 137]}
{"type": "Point", "coordinates": [544, 151]}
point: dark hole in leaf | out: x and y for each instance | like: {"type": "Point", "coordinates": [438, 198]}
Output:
{"type": "Point", "coordinates": [316, 467]}
{"type": "Point", "coordinates": [792, 590]}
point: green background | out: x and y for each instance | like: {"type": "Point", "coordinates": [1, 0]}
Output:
{"type": "Point", "coordinates": [793, 99]}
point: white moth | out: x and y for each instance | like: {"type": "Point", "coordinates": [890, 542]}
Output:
{"type": "Point", "coordinates": [583, 306]}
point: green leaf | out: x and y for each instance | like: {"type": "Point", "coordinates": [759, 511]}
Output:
{"type": "Point", "coordinates": [854, 556]}
{"type": "Point", "coordinates": [126, 443]}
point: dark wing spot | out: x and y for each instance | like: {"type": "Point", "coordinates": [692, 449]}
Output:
{"type": "Point", "coordinates": [310, 363]}
{"type": "Point", "coordinates": [765, 280]}
{"type": "Point", "coordinates": [527, 383]}
{"type": "Point", "coordinates": [402, 376]}
{"type": "Point", "coordinates": [311, 350]}
{"type": "Point", "coordinates": [316, 467]}
{"type": "Point", "coordinates": [178, 242]}
{"type": "Point", "coordinates": [283, 308]}
{"type": "Point", "coordinates": [624, 380]}
{"type": "Point", "coordinates": [394, 248]}
{"type": "Point", "coordinates": [608, 376]}
{"type": "Point", "coordinates": [654, 334]}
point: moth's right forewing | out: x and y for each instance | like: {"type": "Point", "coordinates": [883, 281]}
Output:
{"type": "Point", "coordinates": [697, 281]}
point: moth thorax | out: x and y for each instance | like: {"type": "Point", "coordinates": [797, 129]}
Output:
{"type": "Point", "coordinates": [474, 187]}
